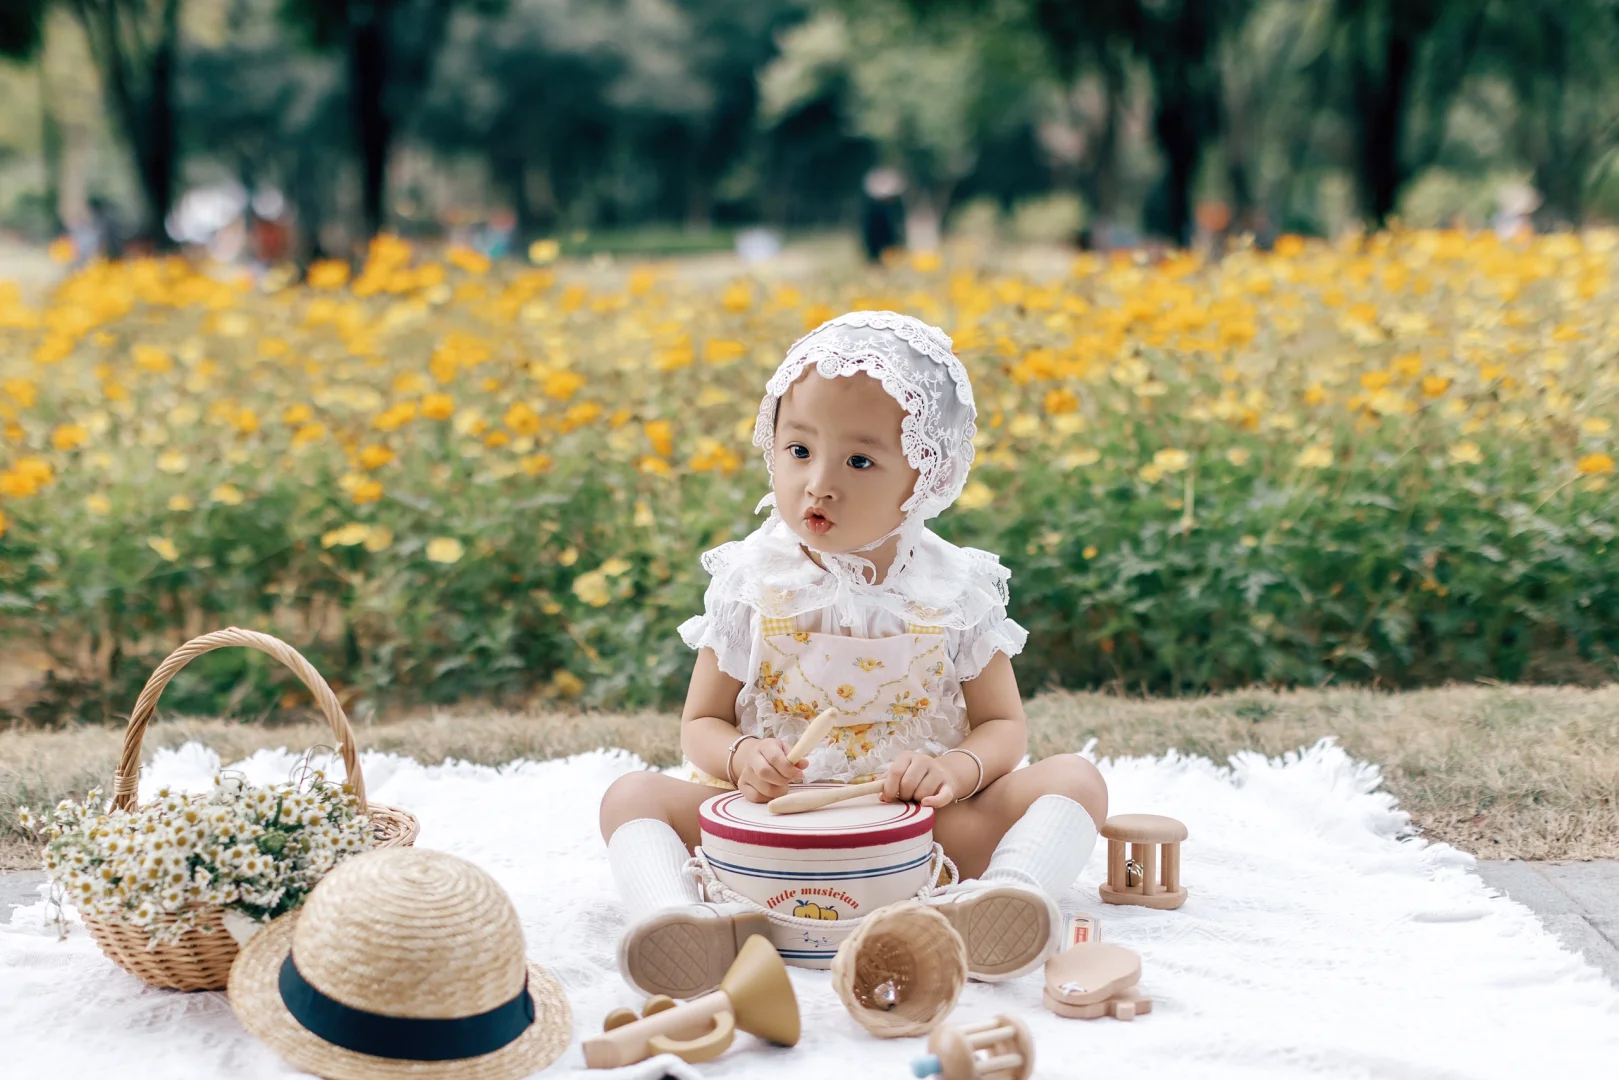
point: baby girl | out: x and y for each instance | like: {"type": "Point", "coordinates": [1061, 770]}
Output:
{"type": "Point", "coordinates": [867, 431]}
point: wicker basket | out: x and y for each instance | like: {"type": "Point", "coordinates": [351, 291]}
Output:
{"type": "Point", "coordinates": [201, 958]}
{"type": "Point", "coordinates": [901, 971]}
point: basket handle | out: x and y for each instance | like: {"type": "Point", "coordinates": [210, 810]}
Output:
{"type": "Point", "coordinates": [126, 780]}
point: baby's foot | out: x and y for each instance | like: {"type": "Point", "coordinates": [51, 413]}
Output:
{"type": "Point", "coordinates": [685, 951]}
{"type": "Point", "coordinates": [1009, 930]}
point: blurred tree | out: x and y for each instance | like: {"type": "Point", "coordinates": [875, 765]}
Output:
{"type": "Point", "coordinates": [563, 98]}
{"type": "Point", "coordinates": [22, 34]}
{"type": "Point", "coordinates": [134, 45]}
{"type": "Point", "coordinates": [388, 48]}
{"type": "Point", "coordinates": [1400, 65]}
{"type": "Point", "coordinates": [268, 112]}
{"type": "Point", "coordinates": [924, 90]}
{"type": "Point", "coordinates": [1559, 58]}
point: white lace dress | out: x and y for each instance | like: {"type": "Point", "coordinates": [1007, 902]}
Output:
{"type": "Point", "coordinates": [890, 657]}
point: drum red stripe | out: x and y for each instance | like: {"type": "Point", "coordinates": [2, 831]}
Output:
{"type": "Point", "coordinates": [915, 823]}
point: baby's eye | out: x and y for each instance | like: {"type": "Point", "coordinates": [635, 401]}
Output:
{"type": "Point", "coordinates": [860, 461]}
{"type": "Point", "coordinates": [798, 450]}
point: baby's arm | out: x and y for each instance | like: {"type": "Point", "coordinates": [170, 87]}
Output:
{"type": "Point", "coordinates": [708, 727]}
{"type": "Point", "coordinates": [1000, 733]}
{"type": "Point", "coordinates": [999, 736]}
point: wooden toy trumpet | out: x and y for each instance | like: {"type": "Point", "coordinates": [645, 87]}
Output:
{"type": "Point", "coordinates": [755, 996]}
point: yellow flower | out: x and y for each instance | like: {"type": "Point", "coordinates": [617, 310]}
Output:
{"type": "Point", "coordinates": [229, 494]}
{"type": "Point", "coordinates": [615, 566]}
{"type": "Point", "coordinates": [1060, 400]}
{"type": "Point", "coordinates": [579, 415]}
{"type": "Point", "coordinates": [378, 538]}
{"type": "Point", "coordinates": [180, 504]}
{"type": "Point", "coordinates": [535, 464]}
{"type": "Point", "coordinates": [541, 252]}
{"type": "Point", "coordinates": [246, 421]}
{"type": "Point", "coordinates": [295, 415]}
{"type": "Point", "coordinates": [151, 358]}
{"type": "Point", "coordinates": [737, 297]}
{"type": "Point", "coordinates": [1249, 541]}
{"type": "Point", "coordinates": [69, 437]}
{"type": "Point", "coordinates": [591, 588]}
{"type": "Point", "coordinates": [1317, 456]}
{"type": "Point", "coordinates": [438, 406]}
{"type": "Point", "coordinates": [327, 274]}
{"type": "Point", "coordinates": [1594, 464]}
{"type": "Point", "coordinates": [568, 556]}
{"type": "Point", "coordinates": [1595, 425]}
{"type": "Point", "coordinates": [846, 692]}
{"type": "Point", "coordinates": [1434, 386]}
{"type": "Point", "coordinates": [445, 549]}
{"type": "Point", "coordinates": [567, 683]}
{"type": "Point", "coordinates": [1090, 551]}
{"type": "Point", "coordinates": [62, 250]}
{"type": "Point", "coordinates": [465, 258]}
{"type": "Point", "coordinates": [522, 419]}
{"type": "Point", "coordinates": [562, 385]}
{"type": "Point", "coordinates": [348, 536]}
{"type": "Point", "coordinates": [1023, 426]}
{"type": "Point", "coordinates": [722, 351]}
{"type": "Point", "coordinates": [1465, 453]}
{"type": "Point", "coordinates": [164, 547]}
{"type": "Point", "coordinates": [375, 456]}
{"type": "Point", "coordinates": [654, 465]}
{"type": "Point", "coordinates": [1079, 459]}
{"type": "Point", "coordinates": [367, 491]}
{"type": "Point", "coordinates": [1172, 460]}
{"type": "Point", "coordinates": [98, 504]}
{"type": "Point", "coordinates": [172, 461]}
{"type": "Point", "coordinates": [1237, 456]}
{"type": "Point", "coordinates": [975, 496]}
{"type": "Point", "coordinates": [1150, 473]}
{"type": "Point", "coordinates": [643, 515]}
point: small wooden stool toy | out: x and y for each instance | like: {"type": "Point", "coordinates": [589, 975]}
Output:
{"type": "Point", "coordinates": [901, 970]}
{"type": "Point", "coordinates": [1151, 876]}
{"type": "Point", "coordinates": [1088, 981]}
{"type": "Point", "coordinates": [998, 1049]}
{"type": "Point", "coordinates": [755, 996]}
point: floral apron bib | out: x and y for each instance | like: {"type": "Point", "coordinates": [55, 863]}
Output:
{"type": "Point", "coordinates": [888, 691]}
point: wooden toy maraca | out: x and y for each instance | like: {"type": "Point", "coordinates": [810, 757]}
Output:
{"type": "Point", "coordinates": [755, 996]}
{"type": "Point", "coordinates": [998, 1049]}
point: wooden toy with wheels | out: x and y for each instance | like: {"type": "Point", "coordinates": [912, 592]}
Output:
{"type": "Point", "coordinates": [998, 1049]}
{"type": "Point", "coordinates": [1151, 876]}
{"type": "Point", "coordinates": [1088, 981]}
{"type": "Point", "coordinates": [755, 996]}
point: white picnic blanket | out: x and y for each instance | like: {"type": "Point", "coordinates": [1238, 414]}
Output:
{"type": "Point", "coordinates": [1319, 939]}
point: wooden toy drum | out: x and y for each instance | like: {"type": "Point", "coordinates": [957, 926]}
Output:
{"type": "Point", "coordinates": [832, 864]}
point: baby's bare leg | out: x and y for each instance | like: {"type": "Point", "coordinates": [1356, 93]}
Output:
{"type": "Point", "coordinates": [654, 795]}
{"type": "Point", "coordinates": [970, 830]}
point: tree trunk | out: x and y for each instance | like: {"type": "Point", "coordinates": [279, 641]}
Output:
{"type": "Point", "coordinates": [1182, 146]}
{"type": "Point", "coordinates": [161, 159]}
{"type": "Point", "coordinates": [50, 138]}
{"type": "Point", "coordinates": [1381, 108]}
{"type": "Point", "coordinates": [368, 71]}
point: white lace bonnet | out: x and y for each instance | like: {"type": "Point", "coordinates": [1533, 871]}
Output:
{"type": "Point", "coordinates": [917, 366]}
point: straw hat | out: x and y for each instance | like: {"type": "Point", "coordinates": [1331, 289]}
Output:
{"type": "Point", "coordinates": [410, 964]}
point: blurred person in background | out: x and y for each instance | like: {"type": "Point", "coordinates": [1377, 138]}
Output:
{"type": "Point", "coordinates": [882, 213]}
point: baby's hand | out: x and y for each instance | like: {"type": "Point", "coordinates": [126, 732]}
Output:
{"type": "Point", "coordinates": [764, 772]}
{"type": "Point", "coordinates": [916, 777]}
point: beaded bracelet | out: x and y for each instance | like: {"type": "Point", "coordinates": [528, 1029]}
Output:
{"type": "Point", "coordinates": [730, 758]}
{"type": "Point", "coordinates": [977, 761]}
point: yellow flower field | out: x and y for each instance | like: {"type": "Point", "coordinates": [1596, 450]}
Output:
{"type": "Point", "coordinates": [1383, 459]}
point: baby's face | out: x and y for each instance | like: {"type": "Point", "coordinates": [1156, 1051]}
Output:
{"type": "Point", "coordinates": [840, 473]}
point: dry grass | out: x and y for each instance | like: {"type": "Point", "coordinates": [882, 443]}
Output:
{"type": "Point", "coordinates": [1525, 773]}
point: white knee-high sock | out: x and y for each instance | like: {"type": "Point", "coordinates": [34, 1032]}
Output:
{"type": "Point", "coordinates": [648, 861]}
{"type": "Point", "coordinates": [1046, 848]}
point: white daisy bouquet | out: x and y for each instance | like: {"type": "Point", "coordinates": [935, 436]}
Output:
{"type": "Point", "coordinates": [256, 852]}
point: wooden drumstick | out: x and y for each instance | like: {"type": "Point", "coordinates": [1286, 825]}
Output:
{"type": "Point", "coordinates": [813, 734]}
{"type": "Point", "coordinates": [796, 802]}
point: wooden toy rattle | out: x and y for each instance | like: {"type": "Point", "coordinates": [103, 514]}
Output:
{"type": "Point", "coordinates": [1151, 876]}
{"type": "Point", "coordinates": [755, 996]}
{"type": "Point", "coordinates": [1000, 1048]}
{"type": "Point", "coordinates": [1088, 981]}
{"type": "Point", "coordinates": [901, 970]}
